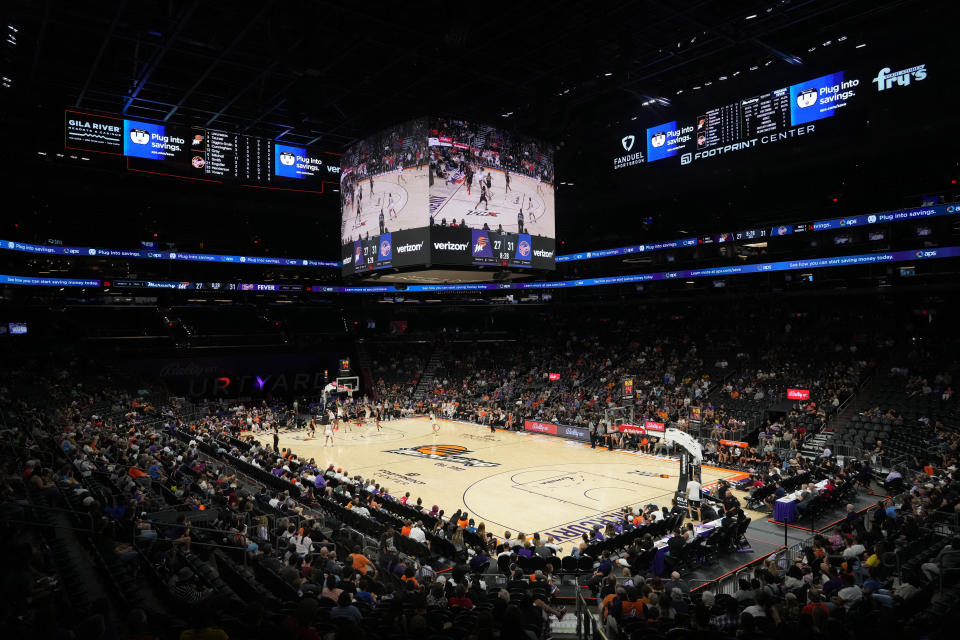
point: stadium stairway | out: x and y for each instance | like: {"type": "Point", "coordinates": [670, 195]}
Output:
{"type": "Point", "coordinates": [429, 373]}
{"type": "Point", "coordinates": [829, 434]}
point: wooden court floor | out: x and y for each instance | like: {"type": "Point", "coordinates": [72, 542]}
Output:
{"type": "Point", "coordinates": [518, 482]}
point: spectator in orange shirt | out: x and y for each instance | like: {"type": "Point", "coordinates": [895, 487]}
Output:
{"type": "Point", "coordinates": [361, 562]}
{"type": "Point", "coordinates": [409, 576]}
{"type": "Point", "coordinates": [463, 521]}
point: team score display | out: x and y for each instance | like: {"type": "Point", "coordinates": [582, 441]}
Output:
{"type": "Point", "coordinates": [504, 248]}
{"type": "Point", "coordinates": [369, 253]}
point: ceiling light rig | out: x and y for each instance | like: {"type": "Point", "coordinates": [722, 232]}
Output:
{"type": "Point", "coordinates": [794, 60]}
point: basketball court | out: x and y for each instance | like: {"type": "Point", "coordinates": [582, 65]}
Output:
{"type": "Point", "coordinates": [407, 189]}
{"type": "Point", "coordinates": [451, 200]}
{"type": "Point", "coordinates": [519, 482]}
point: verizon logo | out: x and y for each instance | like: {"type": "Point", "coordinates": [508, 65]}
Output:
{"type": "Point", "coordinates": [541, 253]}
{"type": "Point", "coordinates": [450, 246]}
{"type": "Point", "coordinates": [404, 248]}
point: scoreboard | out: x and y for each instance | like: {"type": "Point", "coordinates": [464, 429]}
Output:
{"type": "Point", "coordinates": [455, 246]}
{"type": "Point", "coordinates": [788, 114]}
{"type": "Point", "coordinates": [201, 154]}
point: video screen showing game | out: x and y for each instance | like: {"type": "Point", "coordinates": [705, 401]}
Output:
{"type": "Point", "coordinates": [485, 178]}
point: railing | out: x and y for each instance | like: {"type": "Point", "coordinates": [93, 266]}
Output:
{"type": "Point", "coordinates": [588, 624]}
{"type": "Point", "coordinates": [944, 555]}
{"type": "Point", "coordinates": [727, 583]}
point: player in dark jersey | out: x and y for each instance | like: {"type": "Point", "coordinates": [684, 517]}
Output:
{"type": "Point", "coordinates": [371, 185]}
{"type": "Point", "coordinates": [520, 221]}
{"type": "Point", "coordinates": [483, 197]}
{"type": "Point", "coordinates": [506, 177]}
{"type": "Point", "coordinates": [468, 178]}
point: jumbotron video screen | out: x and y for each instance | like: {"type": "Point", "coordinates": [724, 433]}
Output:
{"type": "Point", "coordinates": [440, 191]}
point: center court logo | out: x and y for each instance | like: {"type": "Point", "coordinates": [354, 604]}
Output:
{"type": "Point", "coordinates": [445, 452]}
{"type": "Point", "coordinates": [627, 142]}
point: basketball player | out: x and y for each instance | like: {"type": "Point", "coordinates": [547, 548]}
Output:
{"type": "Point", "coordinates": [539, 181]}
{"type": "Point", "coordinates": [400, 178]}
{"type": "Point", "coordinates": [371, 185]}
{"type": "Point", "coordinates": [391, 207]}
{"type": "Point", "coordinates": [483, 197]}
{"type": "Point", "coordinates": [433, 422]}
{"type": "Point", "coordinates": [381, 220]}
{"type": "Point", "coordinates": [313, 427]}
{"type": "Point", "coordinates": [468, 178]}
{"type": "Point", "coordinates": [376, 419]}
{"type": "Point", "coordinates": [328, 435]}
{"type": "Point", "coordinates": [339, 415]}
{"type": "Point", "coordinates": [520, 221]}
{"type": "Point", "coordinates": [359, 201]}
{"type": "Point", "coordinates": [506, 176]}
{"type": "Point", "coordinates": [530, 213]}
{"type": "Point", "coordinates": [489, 182]}
{"type": "Point", "coordinates": [368, 412]}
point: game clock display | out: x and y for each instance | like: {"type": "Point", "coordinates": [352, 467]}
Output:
{"type": "Point", "coordinates": [483, 247]}
{"type": "Point", "coordinates": [504, 249]}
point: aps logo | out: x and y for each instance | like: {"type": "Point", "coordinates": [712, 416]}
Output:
{"type": "Point", "coordinates": [444, 452]}
{"type": "Point", "coordinates": [139, 136]}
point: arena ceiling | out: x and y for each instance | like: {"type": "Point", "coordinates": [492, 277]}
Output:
{"type": "Point", "coordinates": [329, 73]}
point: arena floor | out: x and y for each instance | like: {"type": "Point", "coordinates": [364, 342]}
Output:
{"type": "Point", "coordinates": [511, 481]}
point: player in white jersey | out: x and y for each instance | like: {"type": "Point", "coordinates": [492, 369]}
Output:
{"type": "Point", "coordinates": [328, 435]}
{"type": "Point", "coordinates": [391, 207]}
{"type": "Point", "coordinates": [433, 422]}
{"type": "Point", "coordinates": [400, 178]}
{"type": "Point", "coordinates": [539, 181]}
